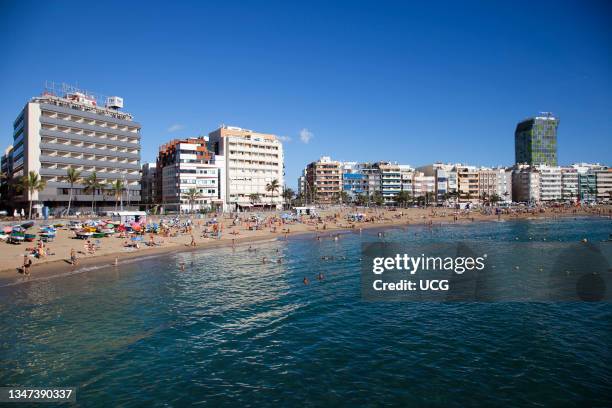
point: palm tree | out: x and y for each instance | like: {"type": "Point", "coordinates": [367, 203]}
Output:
{"type": "Point", "coordinates": [117, 187]}
{"type": "Point", "coordinates": [273, 187]}
{"type": "Point", "coordinates": [402, 198]}
{"type": "Point", "coordinates": [362, 199]}
{"type": "Point", "coordinates": [378, 198]}
{"type": "Point", "coordinates": [254, 198]}
{"type": "Point", "coordinates": [192, 196]}
{"type": "Point", "coordinates": [92, 185]}
{"type": "Point", "coordinates": [72, 176]}
{"type": "Point", "coordinates": [288, 195]}
{"type": "Point", "coordinates": [32, 183]}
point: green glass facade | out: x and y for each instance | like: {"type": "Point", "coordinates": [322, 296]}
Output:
{"type": "Point", "coordinates": [535, 141]}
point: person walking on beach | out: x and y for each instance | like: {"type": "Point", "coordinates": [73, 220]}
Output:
{"type": "Point", "coordinates": [27, 263]}
{"type": "Point", "coordinates": [193, 243]}
{"type": "Point", "coordinates": [73, 257]}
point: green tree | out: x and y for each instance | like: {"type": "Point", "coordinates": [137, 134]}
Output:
{"type": "Point", "coordinates": [92, 185]}
{"type": "Point", "coordinates": [362, 199]}
{"type": "Point", "coordinates": [117, 187]}
{"type": "Point", "coordinates": [32, 183]}
{"type": "Point", "coordinates": [72, 176]}
{"type": "Point", "coordinates": [378, 198]}
{"type": "Point", "coordinates": [403, 198]}
{"type": "Point", "coordinates": [192, 196]}
{"type": "Point", "coordinates": [288, 195]}
{"type": "Point", "coordinates": [273, 187]}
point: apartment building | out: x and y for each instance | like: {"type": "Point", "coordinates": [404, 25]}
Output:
{"type": "Point", "coordinates": [148, 185]}
{"type": "Point", "coordinates": [423, 186]}
{"type": "Point", "coordinates": [184, 166]}
{"type": "Point", "coordinates": [550, 183]}
{"type": "Point", "coordinates": [390, 181]}
{"type": "Point", "coordinates": [445, 179]}
{"type": "Point", "coordinates": [569, 183]}
{"type": "Point", "coordinates": [525, 184]}
{"type": "Point", "coordinates": [324, 177]}
{"type": "Point", "coordinates": [66, 128]}
{"type": "Point", "coordinates": [407, 178]}
{"type": "Point", "coordinates": [604, 184]}
{"type": "Point", "coordinates": [468, 183]}
{"type": "Point", "coordinates": [354, 181]}
{"type": "Point", "coordinates": [253, 160]}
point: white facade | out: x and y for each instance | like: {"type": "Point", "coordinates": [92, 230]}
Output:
{"type": "Point", "coordinates": [252, 161]}
{"type": "Point", "coordinates": [189, 171]}
{"type": "Point", "coordinates": [550, 183]}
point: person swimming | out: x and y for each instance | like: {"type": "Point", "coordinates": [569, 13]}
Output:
{"type": "Point", "coordinates": [320, 277]}
{"type": "Point", "coordinates": [182, 266]}
{"type": "Point", "coordinates": [306, 281]}
{"type": "Point", "coordinates": [264, 260]}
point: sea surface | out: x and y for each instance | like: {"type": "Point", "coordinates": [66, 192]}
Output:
{"type": "Point", "coordinates": [231, 331]}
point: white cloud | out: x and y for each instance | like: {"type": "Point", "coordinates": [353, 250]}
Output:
{"type": "Point", "coordinates": [284, 138]}
{"type": "Point", "coordinates": [175, 128]}
{"type": "Point", "coordinates": [306, 135]}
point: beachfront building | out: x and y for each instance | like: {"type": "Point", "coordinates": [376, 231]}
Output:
{"type": "Point", "coordinates": [324, 177]}
{"type": "Point", "coordinates": [6, 169]}
{"type": "Point", "coordinates": [535, 140]}
{"type": "Point", "coordinates": [551, 185]}
{"type": "Point", "coordinates": [587, 186]}
{"type": "Point", "coordinates": [445, 179]}
{"type": "Point", "coordinates": [604, 184]}
{"type": "Point", "coordinates": [253, 160]}
{"type": "Point", "coordinates": [67, 128]}
{"type": "Point", "coordinates": [424, 187]}
{"type": "Point", "coordinates": [407, 179]}
{"type": "Point", "coordinates": [525, 184]}
{"type": "Point", "coordinates": [354, 181]}
{"type": "Point", "coordinates": [148, 185]}
{"type": "Point", "coordinates": [390, 181]}
{"type": "Point", "coordinates": [468, 183]}
{"type": "Point", "coordinates": [487, 184]}
{"type": "Point", "coordinates": [189, 178]}
{"type": "Point", "coordinates": [569, 183]}
{"type": "Point", "coordinates": [372, 174]}
{"type": "Point", "coordinates": [302, 191]}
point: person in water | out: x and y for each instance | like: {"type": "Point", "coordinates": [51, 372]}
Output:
{"type": "Point", "coordinates": [320, 277]}
{"type": "Point", "coordinates": [27, 264]}
{"type": "Point", "coordinates": [182, 266]}
{"type": "Point", "coordinates": [306, 281]}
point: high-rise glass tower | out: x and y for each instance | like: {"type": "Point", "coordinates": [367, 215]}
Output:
{"type": "Point", "coordinates": [535, 140]}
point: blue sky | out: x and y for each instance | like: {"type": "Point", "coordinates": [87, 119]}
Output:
{"type": "Point", "coordinates": [413, 82]}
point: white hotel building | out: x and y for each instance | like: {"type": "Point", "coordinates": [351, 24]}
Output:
{"type": "Point", "coordinates": [67, 128]}
{"type": "Point", "coordinates": [252, 161]}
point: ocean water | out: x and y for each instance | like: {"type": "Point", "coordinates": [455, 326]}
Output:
{"type": "Point", "coordinates": [230, 331]}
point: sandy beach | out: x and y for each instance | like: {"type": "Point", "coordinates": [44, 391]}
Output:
{"type": "Point", "coordinates": [111, 249]}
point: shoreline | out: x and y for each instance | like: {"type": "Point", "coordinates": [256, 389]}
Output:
{"type": "Point", "coordinates": [61, 267]}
